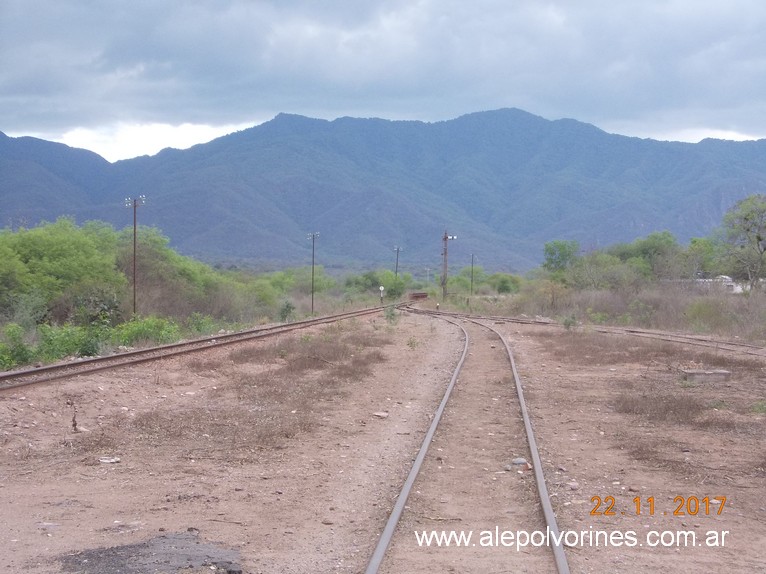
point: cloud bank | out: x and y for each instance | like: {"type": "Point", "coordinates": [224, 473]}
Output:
{"type": "Point", "coordinates": [130, 70]}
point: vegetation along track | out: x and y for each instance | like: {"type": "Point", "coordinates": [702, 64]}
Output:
{"type": "Point", "coordinates": [18, 378]}
{"type": "Point", "coordinates": [460, 488]}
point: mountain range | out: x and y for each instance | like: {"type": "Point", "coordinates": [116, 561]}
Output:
{"type": "Point", "coordinates": [504, 182]}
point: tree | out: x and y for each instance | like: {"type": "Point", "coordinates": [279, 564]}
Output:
{"type": "Point", "coordinates": [559, 255]}
{"type": "Point", "coordinates": [504, 283]}
{"type": "Point", "coordinates": [659, 250]}
{"type": "Point", "coordinates": [58, 267]}
{"type": "Point", "coordinates": [744, 227]}
{"type": "Point", "coordinates": [700, 257]}
{"type": "Point", "coordinates": [599, 270]}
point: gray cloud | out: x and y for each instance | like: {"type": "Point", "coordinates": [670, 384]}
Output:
{"type": "Point", "coordinates": [648, 66]}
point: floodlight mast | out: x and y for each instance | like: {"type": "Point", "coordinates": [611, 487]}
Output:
{"type": "Point", "coordinates": [313, 237]}
{"type": "Point", "coordinates": [445, 239]}
{"type": "Point", "coordinates": [134, 203]}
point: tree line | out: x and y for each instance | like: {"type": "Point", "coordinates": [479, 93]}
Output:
{"type": "Point", "coordinates": [736, 249]}
{"type": "Point", "coordinates": [66, 289]}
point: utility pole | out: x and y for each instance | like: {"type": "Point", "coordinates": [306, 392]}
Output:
{"type": "Point", "coordinates": [396, 269]}
{"type": "Point", "coordinates": [313, 237]}
{"type": "Point", "coordinates": [471, 274]}
{"type": "Point", "coordinates": [134, 203]}
{"type": "Point", "coordinates": [446, 239]}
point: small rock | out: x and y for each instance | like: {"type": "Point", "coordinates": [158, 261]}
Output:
{"type": "Point", "coordinates": [573, 485]}
{"type": "Point", "coordinates": [109, 459]}
{"type": "Point", "coordinates": [519, 461]}
{"type": "Point", "coordinates": [381, 415]}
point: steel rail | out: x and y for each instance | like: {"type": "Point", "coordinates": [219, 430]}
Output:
{"type": "Point", "coordinates": [501, 318]}
{"type": "Point", "coordinates": [401, 501]}
{"type": "Point", "coordinates": [537, 464]}
{"type": "Point", "coordinates": [681, 338]}
{"type": "Point", "coordinates": [384, 541]}
{"type": "Point", "coordinates": [19, 378]}
{"type": "Point", "coordinates": [686, 339]}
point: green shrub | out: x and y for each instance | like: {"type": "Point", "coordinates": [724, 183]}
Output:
{"type": "Point", "coordinates": [18, 352]}
{"type": "Point", "coordinates": [146, 330]}
{"type": "Point", "coordinates": [286, 312]}
{"type": "Point", "coordinates": [597, 317]}
{"type": "Point", "coordinates": [706, 314]}
{"type": "Point", "coordinates": [6, 360]}
{"type": "Point", "coordinates": [200, 324]}
{"type": "Point", "coordinates": [67, 340]}
{"type": "Point", "coordinates": [57, 342]}
{"type": "Point", "coordinates": [90, 344]}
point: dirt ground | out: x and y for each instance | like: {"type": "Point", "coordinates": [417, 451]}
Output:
{"type": "Point", "coordinates": [614, 417]}
{"type": "Point", "coordinates": [287, 456]}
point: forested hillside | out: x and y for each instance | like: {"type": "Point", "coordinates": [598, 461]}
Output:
{"type": "Point", "coordinates": [505, 182]}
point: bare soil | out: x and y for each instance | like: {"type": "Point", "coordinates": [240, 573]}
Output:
{"type": "Point", "coordinates": [615, 418]}
{"type": "Point", "coordinates": [287, 456]}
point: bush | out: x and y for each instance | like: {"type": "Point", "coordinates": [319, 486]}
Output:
{"type": "Point", "coordinates": [147, 330]}
{"type": "Point", "coordinates": [68, 340]}
{"type": "Point", "coordinates": [17, 352]}
{"type": "Point", "coordinates": [286, 312]}
{"type": "Point", "coordinates": [707, 314]}
{"type": "Point", "coordinates": [6, 360]}
{"type": "Point", "coordinates": [200, 324]}
{"type": "Point", "coordinates": [56, 342]}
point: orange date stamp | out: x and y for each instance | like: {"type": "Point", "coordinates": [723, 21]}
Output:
{"type": "Point", "coordinates": [681, 506]}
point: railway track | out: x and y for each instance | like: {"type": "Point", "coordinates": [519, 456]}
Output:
{"type": "Point", "coordinates": [726, 345]}
{"type": "Point", "coordinates": [478, 430]}
{"type": "Point", "coordinates": [19, 378]}
{"type": "Point", "coordinates": [485, 426]}
{"type": "Point", "coordinates": [428, 490]}
{"type": "Point", "coordinates": [687, 339]}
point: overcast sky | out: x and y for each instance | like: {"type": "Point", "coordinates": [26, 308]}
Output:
{"type": "Point", "coordinates": [130, 77]}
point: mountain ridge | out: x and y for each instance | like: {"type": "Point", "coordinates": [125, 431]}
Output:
{"type": "Point", "coordinates": [505, 181]}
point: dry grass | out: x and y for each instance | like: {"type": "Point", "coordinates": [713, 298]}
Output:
{"type": "Point", "coordinates": [659, 454]}
{"type": "Point", "coordinates": [590, 347]}
{"type": "Point", "coordinates": [660, 395]}
{"type": "Point", "coordinates": [659, 406]}
{"type": "Point", "coordinates": [668, 306]}
{"type": "Point", "coordinates": [264, 394]}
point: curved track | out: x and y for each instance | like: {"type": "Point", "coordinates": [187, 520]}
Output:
{"type": "Point", "coordinates": [685, 338]}
{"type": "Point", "coordinates": [420, 476]}
{"type": "Point", "coordinates": [484, 402]}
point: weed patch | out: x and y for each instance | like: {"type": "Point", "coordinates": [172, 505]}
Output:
{"type": "Point", "coordinates": [661, 407]}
